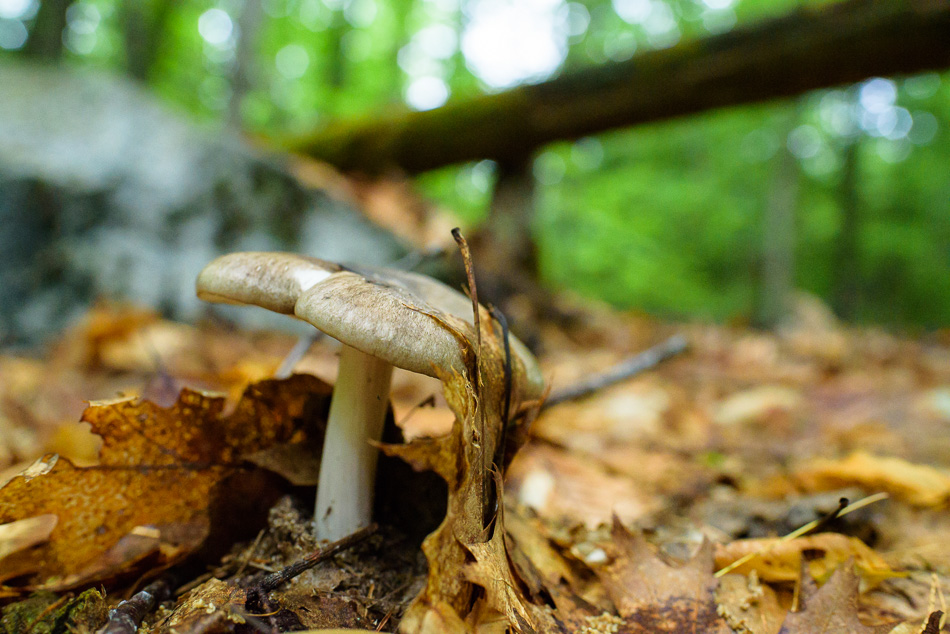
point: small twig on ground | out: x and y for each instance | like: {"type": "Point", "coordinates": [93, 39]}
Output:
{"type": "Point", "coordinates": [126, 617]}
{"type": "Point", "coordinates": [830, 517]}
{"type": "Point", "coordinates": [642, 362]}
{"type": "Point", "coordinates": [416, 257]}
{"type": "Point", "coordinates": [296, 354]}
{"type": "Point", "coordinates": [250, 553]}
{"type": "Point", "coordinates": [282, 576]}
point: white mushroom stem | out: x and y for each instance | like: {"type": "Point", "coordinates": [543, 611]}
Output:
{"type": "Point", "coordinates": [348, 467]}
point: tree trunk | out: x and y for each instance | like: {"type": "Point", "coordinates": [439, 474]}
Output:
{"type": "Point", "coordinates": [46, 37]}
{"type": "Point", "coordinates": [778, 236]}
{"type": "Point", "coordinates": [813, 47]}
{"type": "Point", "coordinates": [847, 272]}
{"type": "Point", "coordinates": [249, 24]}
{"type": "Point", "coordinates": [143, 27]}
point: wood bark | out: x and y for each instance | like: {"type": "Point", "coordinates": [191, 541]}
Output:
{"type": "Point", "coordinates": [46, 36]}
{"type": "Point", "coordinates": [811, 48]}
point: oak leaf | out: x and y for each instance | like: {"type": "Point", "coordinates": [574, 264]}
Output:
{"type": "Point", "coordinates": [833, 609]}
{"type": "Point", "coordinates": [160, 471]}
{"type": "Point", "coordinates": [652, 596]}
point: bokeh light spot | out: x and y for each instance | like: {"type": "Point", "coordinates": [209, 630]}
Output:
{"type": "Point", "coordinates": [292, 61]}
{"type": "Point", "coordinates": [426, 93]}
{"type": "Point", "coordinates": [13, 34]}
{"type": "Point", "coordinates": [215, 26]}
{"type": "Point", "coordinates": [16, 9]}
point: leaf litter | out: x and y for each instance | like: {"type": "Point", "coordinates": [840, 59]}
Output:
{"type": "Point", "coordinates": [537, 566]}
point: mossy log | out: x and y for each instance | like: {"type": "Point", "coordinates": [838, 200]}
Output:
{"type": "Point", "coordinates": [813, 47]}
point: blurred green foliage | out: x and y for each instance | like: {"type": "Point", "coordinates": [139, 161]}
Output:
{"type": "Point", "coordinates": [665, 217]}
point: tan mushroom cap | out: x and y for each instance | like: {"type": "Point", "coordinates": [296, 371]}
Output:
{"type": "Point", "coordinates": [270, 280]}
{"type": "Point", "coordinates": [391, 314]}
{"type": "Point", "coordinates": [383, 320]}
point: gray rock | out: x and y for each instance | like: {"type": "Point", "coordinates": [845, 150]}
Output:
{"type": "Point", "coordinates": [105, 192]}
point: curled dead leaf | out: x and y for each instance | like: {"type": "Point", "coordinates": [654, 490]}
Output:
{"type": "Point", "coordinates": [781, 560]}
{"type": "Point", "coordinates": [160, 469]}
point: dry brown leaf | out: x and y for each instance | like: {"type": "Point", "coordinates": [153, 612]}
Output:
{"type": "Point", "coordinates": [831, 610]}
{"type": "Point", "coordinates": [463, 458]}
{"type": "Point", "coordinates": [781, 559]}
{"type": "Point", "coordinates": [159, 470]}
{"type": "Point", "coordinates": [749, 606]}
{"type": "Point", "coordinates": [653, 596]}
{"type": "Point", "coordinates": [921, 485]}
{"type": "Point", "coordinates": [213, 606]}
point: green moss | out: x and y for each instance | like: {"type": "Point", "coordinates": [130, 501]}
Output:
{"type": "Point", "coordinates": [48, 613]}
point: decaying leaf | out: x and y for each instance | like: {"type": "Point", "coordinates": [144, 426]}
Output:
{"type": "Point", "coordinates": [833, 609]}
{"type": "Point", "coordinates": [150, 497]}
{"type": "Point", "coordinates": [653, 596]}
{"type": "Point", "coordinates": [781, 560]}
{"type": "Point", "coordinates": [921, 485]}
{"type": "Point", "coordinates": [464, 459]}
{"type": "Point", "coordinates": [206, 608]}
{"type": "Point", "coordinates": [749, 606]}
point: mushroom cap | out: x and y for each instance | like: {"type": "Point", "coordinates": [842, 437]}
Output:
{"type": "Point", "coordinates": [401, 317]}
{"type": "Point", "coordinates": [270, 280]}
{"type": "Point", "coordinates": [385, 320]}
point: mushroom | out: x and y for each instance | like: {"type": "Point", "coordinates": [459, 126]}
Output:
{"type": "Point", "coordinates": [384, 318]}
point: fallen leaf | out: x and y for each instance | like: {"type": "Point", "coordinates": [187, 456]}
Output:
{"type": "Point", "coordinates": [756, 405]}
{"type": "Point", "coordinates": [781, 559]}
{"type": "Point", "coordinates": [653, 596]}
{"type": "Point", "coordinates": [213, 603]}
{"type": "Point", "coordinates": [921, 485]}
{"type": "Point", "coordinates": [159, 471]}
{"type": "Point", "coordinates": [833, 609]}
{"type": "Point", "coordinates": [748, 606]}
{"type": "Point", "coordinates": [464, 458]}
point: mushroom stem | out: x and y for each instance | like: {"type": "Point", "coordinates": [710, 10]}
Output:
{"type": "Point", "coordinates": [348, 468]}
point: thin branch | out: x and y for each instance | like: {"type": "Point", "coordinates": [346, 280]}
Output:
{"type": "Point", "coordinates": [126, 617]}
{"type": "Point", "coordinates": [642, 362]}
{"type": "Point", "coordinates": [282, 576]}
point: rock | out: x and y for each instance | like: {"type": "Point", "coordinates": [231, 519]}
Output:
{"type": "Point", "coordinates": [105, 192]}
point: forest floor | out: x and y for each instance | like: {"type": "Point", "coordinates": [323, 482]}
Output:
{"type": "Point", "coordinates": [745, 436]}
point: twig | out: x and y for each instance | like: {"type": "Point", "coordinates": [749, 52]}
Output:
{"type": "Point", "coordinates": [250, 553]}
{"type": "Point", "coordinates": [477, 379]}
{"type": "Point", "coordinates": [807, 528]}
{"type": "Point", "coordinates": [416, 257]}
{"type": "Point", "coordinates": [126, 617]}
{"type": "Point", "coordinates": [830, 517]}
{"type": "Point", "coordinates": [642, 362]}
{"type": "Point", "coordinates": [296, 354]}
{"type": "Point", "coordinates": [282, 576]}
